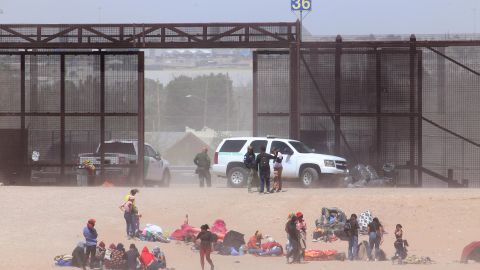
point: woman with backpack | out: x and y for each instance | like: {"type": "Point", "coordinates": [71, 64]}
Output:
{"type": "Point", "coordinates": [277, 171]}
{"type": "Point", "coordinates": [375, 238]}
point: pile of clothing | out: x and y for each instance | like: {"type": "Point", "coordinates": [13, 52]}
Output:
{"type": "Point", "coordinates": [330, 225]}
{"type": "Point", "coordinates": [412, 259]}
{"type": "Point", "coordinates": [366, 176]}
{"type": "Point", "coordinates": [63, 260]}
{"type": "Point", "coordinates": [324, 255]}
{"type": "Point", "coordinates": [153, 233]}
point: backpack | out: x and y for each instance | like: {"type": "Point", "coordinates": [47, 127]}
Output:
{"type": "Point", "coordinates": [347, 228]}
{"type": "Point", "coordinates": [264, 161]}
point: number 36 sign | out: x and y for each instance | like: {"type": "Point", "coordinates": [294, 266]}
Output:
{"type": "Point", "coordinates": [301, 5]}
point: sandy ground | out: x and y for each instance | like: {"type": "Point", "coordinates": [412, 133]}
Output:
{"type": "Point", "coordinates": [41, 222]}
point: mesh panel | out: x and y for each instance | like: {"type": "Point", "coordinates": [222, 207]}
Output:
{"type": "Point", "coordinates": [42, 83]}
{"type": "Point", "coordinates": [360, 139]}
{"type": "Point", "coordinates": [44, 137]}
{"type": "Point", "coordinates": [318, 132]}
{"type": "Point", "coordinates": [10, 83]}
{"type": "Point", "coordinates": [121, 83]}
{"type": "Point", "coordinates": [82, 83]}
{"type": "Point", "coordinates": [317, 69]}
{"type": "Point", "coordinates": [82, 135]}
{"type": "Point", "coordinates": [450, 99]}
{"type": "Point", "coordinates": [273, 75]}
{"type": "Point", "coordinates": [273, 125]}
{"type": "Point", "coordinates": [359, 86]}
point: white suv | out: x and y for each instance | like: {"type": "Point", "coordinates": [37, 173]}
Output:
{"type": "Point", "coordinates": [299, 161]}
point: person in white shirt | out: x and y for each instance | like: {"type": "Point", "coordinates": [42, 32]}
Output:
{"type": "Point", "coordinates": [277, 171]}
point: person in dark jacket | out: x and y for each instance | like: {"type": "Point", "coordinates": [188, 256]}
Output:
{"type": "Point", "coordinates": [293, 239]}
{"type": "Point", "coordinates": [351, 229]}
{"type": "Point", "coordinates": [90, 234]}
{"type": "Point", "coordinates": [202, 160]}
{"type": "Point", "coordinates": [263, 162]}
{"type": "Point", "coordinates": [78, 256]}
{"type": "Point", "coordinates": [132, 257]}
{"type": "Point", "coordinates": [250, 164]}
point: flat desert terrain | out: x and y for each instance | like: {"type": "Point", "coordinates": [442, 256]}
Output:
{"type": "Point", "coordinates": [40, 222]}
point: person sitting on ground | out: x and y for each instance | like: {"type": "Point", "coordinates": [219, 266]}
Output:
{"type": "Point", "coordinates": [206, 239]}
{"type": "Point", "coordinates": [118, 258]}
{"type": "Point", "coordinates": [400, 245]}
{"type": "Point", "coordinates": [78, 256]}
{"type": "Point", "coordinates": [107, 259]}
{"type": "Point", "coordinates": [254, 244]}
{"type": "Point", "coordinates": [90, 234]}
{"type": "Point", "coordinates": [160, 260]}
{"type": "Point", "coordinates": [100, 254]}
{"type": "Point", "coordinates": [271, 248]}
{"type": "Point", "coordinates": [148, 260]}
{"type": "Point", "coordinates": [132, 257]}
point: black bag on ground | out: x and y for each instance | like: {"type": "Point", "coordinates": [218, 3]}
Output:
{"type": "Point", "coordinates": [234, 239]}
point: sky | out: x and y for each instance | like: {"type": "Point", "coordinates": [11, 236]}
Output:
{"type": "Point", "coordinates": [346, 17]}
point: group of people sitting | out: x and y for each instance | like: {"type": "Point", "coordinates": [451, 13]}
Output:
{"type": "Point", "coordinates": [116, 257]}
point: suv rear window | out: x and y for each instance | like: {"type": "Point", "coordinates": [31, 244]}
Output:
{"type": "Point", "coordinates": [256, 145]}
{"type": "Point", "coordinates": [233, 145]}
{"type": "Point", "coordinates": [119, 148]}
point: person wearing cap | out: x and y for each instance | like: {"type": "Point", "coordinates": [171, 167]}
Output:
{"type": "Point", "coordinates": [302, 231]}
{"type": "Point", "coordinates": [90, 234]}
{"type": "Point", "coordinates": [202, 160]}
{"type": "Point", "coordinates": [206, 239]}
{"type": "Point", "coordinates": [127, 209]}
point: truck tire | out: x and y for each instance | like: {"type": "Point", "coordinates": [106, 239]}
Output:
{"type": "Point", "coordinates": [166, 179]}
{"type": "Point", "coordinates": [237, 177]}
{"type": "Point", "coordinates": [309, 177]}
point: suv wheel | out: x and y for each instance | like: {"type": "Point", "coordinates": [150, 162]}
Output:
{"type": "Point", "coordinates": [237, 177]}
{"type": "Point", "coordinates": [309, 177]}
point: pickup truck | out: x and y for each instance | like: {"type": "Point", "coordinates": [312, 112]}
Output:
{"type": "Point", "coordinates": [124, 152]}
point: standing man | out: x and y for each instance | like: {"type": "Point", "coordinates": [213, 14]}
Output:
{"type": "Point", "coordinates": [90, 235]}
{"type": "Point", "coordinates": [202, 160]}
{"type": "Point", "coordinates": [263, 161]}
{"type": "Point", "coordinates": [250, 164]}
{"type": "Point", "coordinates": [351, 230]}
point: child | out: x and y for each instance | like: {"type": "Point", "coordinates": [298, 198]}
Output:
{"type": "Point", "coordinates": [400, 245]}
{"type": "Point", "coordinates": [206, 240]}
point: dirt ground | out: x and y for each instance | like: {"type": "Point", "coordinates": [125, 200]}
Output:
{"type": "Point", "coordinates": [41, 222]}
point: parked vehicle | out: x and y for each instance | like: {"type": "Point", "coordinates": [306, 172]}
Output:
{"type": "Point", "coordinates": [299, 161]}
{"type": "Point", "coordinates": [124, 152]}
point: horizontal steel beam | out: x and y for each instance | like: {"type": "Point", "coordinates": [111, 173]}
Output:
{"type": "Point", "coordinates": [131, 36]}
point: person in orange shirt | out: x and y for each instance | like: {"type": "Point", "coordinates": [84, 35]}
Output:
{"type": "Point", "coordinates": [254, 244]}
